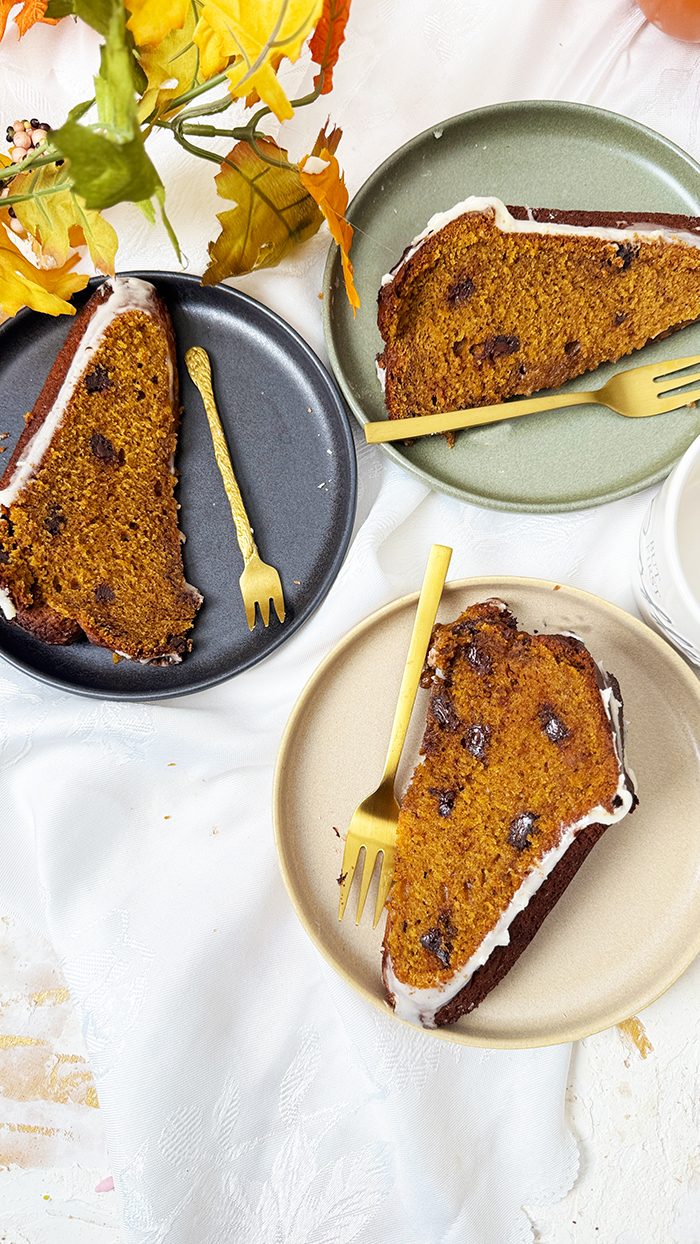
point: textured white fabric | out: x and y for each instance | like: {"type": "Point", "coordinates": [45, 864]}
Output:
{"type": "Point", "coordinates": [246, 1092]}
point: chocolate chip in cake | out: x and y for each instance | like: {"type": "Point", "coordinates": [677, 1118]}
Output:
{"type": "Point", "coordinates": [478, 658]}
{"type": "Point", "coordinates": [433, 941]}
{"type": "Point", "coordinates": [460, 291]}
{"type": "Point", "coordinates": [521, 829]}
{"type": "Point", "coordinates": [476, 741]}
{"type": "Point", "coordinates": [54, 520]}
{"type": "Point", "coordinates": [620, 318]}
{"type": "Point", "coordinates": [572, 347]}
{"type": "Point", "coordinates": [494, 348]}
{"type": "Point", "coordinates": [98, 380]}
{"type": "Point", "coordinates": [552, 725]}
{"type": "Point", "coordinates": [103, 449]}
{"type": "Point", "coordinates": [103, 592]}
{"type": "Point", "coordinates": [443, 711]}
{"type": "Point", "coordinates": [626, 251]}
{"type": "Point", "coordinates": [140, 395]}
{"type": "Point", "coordinates": [446, 800]}
{"type": "Point", "coordinates": [4, 557]}
{"type": "Point", "coordinates": [617, 801]}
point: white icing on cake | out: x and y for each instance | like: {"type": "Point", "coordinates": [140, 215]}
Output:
{"type": "Point", "coordinates": [419, 1006]}
{"type": "Point", "coordinates": [645, 231]}
{"type": "Point", "coordinates": [7, 605]}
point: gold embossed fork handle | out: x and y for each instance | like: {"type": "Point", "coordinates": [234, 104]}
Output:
{"type": "Point", "coordinates": [259, 582]}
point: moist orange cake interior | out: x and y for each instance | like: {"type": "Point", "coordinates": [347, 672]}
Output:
{"type": "Point", "coordinates": [93, 535]}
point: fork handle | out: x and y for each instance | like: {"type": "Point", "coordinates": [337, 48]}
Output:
{"type": "Point", "coordinates": [433, 583]}
{"type": "Point", "coordinates": [198, 365]}
{"type": "Point", "coordinates": [425, 425]}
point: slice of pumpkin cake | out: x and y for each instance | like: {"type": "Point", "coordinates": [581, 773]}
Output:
{"type": "Point", "coordinates": [492, 301]}
{"type": "Point", "coordinates": [522, 771]}
{"type": "Point", "coordinates": [89, 540]}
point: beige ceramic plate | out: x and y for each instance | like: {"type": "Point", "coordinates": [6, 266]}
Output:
{"type": "Point", "coordinates": [629, 923]}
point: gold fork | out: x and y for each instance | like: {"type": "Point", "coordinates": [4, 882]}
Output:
{"type": "Point", "coordinates": [259, 582]}
{"type": "Point", "coordinates": [373, 825]}
{"type": "Point", "coordinates": [636, 393]}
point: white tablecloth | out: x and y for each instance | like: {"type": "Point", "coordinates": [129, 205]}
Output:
{"type": "Point", "coordinates": [246, 1092]}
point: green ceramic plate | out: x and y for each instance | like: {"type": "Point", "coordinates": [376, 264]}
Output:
{"type": "Point", "coordinates": [544, 154]}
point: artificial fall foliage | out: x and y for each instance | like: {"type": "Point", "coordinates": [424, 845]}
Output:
{"type": "Point", "coordinates": [320, 175]}
{"type": "Point", "coordinates": [32, 11]}
{"type": "Point", "coordinates": [272, 211]}
{"type": "Point", "coordinates": [150, 21]}
{"type": "Point", "coordinates": [160, 61]}
{"type": "Point", "coordinates": [327, 40]}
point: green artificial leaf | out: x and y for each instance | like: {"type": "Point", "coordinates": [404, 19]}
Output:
{"type": "Point", "coordinates": [160, 195]}
{"type": "Point", "coordinates": [104, 172]}
{"type": "Point", "coordinates": [80, 109]}
{"type": "Point", "coordinates": [272, 211]}
{"type": "Point", "coordinates": [108, 162]}
{"type": "Point", "coordinates": [149, 211]}
{"type": "Point", "coordinates": [114, 84]}
{"type": "Point", "coordinates": [95, 13]}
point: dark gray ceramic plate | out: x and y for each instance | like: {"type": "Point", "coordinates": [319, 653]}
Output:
{"type": "Point", "coordinates": [543, 154]}
{"type": "Point", "coordinates": [294, 458]}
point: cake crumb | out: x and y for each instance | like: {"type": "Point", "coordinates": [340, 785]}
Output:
{"type": "Point", "coordinates": [633, 1034]}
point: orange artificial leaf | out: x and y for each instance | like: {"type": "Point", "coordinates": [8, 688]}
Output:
{"type": "Point", "coordinates": [5, 7]}
{"type": "Point", "coordinates": [328, 39]}
{"type": "Point", "coordinates": [23, 285]}
{"type": "Point", "coordinates": [320, 175]}
{"type": "Point", "coordinates": [151, 20]}
{"type": "Point", "coordinates": [272, 211]}
{"type": "Point", "coordinates": [32, 11]}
